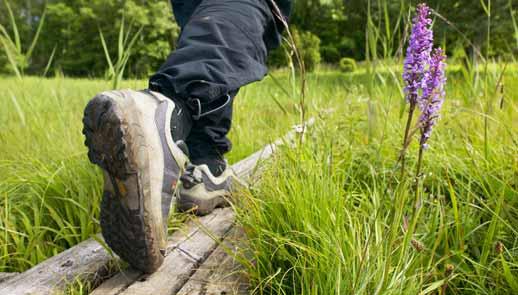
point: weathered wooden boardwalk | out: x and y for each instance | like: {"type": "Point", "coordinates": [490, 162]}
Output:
{"type": "Point", "coordinates": [202, 257]}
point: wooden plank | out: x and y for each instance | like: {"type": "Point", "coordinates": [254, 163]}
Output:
{"type": "Point", "coordinates": [183, 259]}
{"type": "Point", "coordinates": [118, 283]}
{"type": "Point", "coordinates": [86, 261]}
{"type": "Point", "coordinates": [122, 280]}
{"type": "Point", "coordinates": [221, 273]}
{"type": "Point", "coordinates": [4, 276]}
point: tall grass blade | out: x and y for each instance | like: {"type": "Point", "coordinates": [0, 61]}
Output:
{"type": "Point", "coordinates": [126, 54]}
{"type": "Point", "coordinates": [300, 63]}
{"type": "Point", "coordinates": [486, 7]}
{"type": "Point", "coordinates": [121, 40]}
{"type": "Point", "coordinates": [433, 287]}
{"type": "Point", "coordinates": [487, 10]}
{"type": "Point", "coordinates": [279, 85]}
{"type": "Point", "coordinates": [12, 19]}
{"type": "Point", "coordinates": [111, 69]}
{"type": "Point", "coordinates": [491, 232]}
{"type": "Point", "coordinates": [19, 110]}
{"type": "Point", "coordinates": [459, 31]}
{"type": "Point", "coordinates": [511, 279]}
{"type": "Point", "coordinates": [49, 63]}
{"type": "Point", "coordinates": [116, 68]}
{"type": "Point", "coordinates": [11, 56]}
{"type": "Point", "coordinates": [36, 35]}
{"type": "Point", "coordinates": [13, 45]}
{"type": "Point", "coordinates": [515, 24]}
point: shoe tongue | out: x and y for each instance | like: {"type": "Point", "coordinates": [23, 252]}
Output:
{"type": "Point", "coordinates": [216, 165]}
{"type": "Point", "coordinates": [183, 147]}
{"type": "Point", "coordinates": [181, 121]}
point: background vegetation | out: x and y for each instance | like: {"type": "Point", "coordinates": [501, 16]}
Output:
{"type": "Point", "coordinates": [72, 29]}
{"type": "Point", "coordinates": [329, 30]}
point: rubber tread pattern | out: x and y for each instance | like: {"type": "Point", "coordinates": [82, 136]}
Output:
{"type": "Point", "coordinates": [123, 229]}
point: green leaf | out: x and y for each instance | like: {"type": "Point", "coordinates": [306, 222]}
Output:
{"type": "Point", "coordinates": [18, 108]}
{"type": "Point", "coordinates": [511, 280]}
{"type": "Point", "coordinates": [433, 286]}
{"type": "Point", "coordinates": [37, 35]}
{"type": "Point", "coordinates": [120, 51]}
{"type": "Point", "coordinates": [15, 27]}
{"type": "Point", "coordinates": [107, 55]}
{"type": "Point", "coordinates": [10, 57]}
{"type": "Point", "coordinates": [515, 25]}
{"type": "Point", "coordinates": [49, 63]}
{"type": "Point", "coordinates": [487, 8]}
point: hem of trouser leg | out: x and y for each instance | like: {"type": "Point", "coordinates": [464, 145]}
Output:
{"type": "Point", "coordinates": [157, 84]}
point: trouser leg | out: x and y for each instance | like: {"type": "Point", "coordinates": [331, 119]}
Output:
{"type": "Point", "coordinates": [222, 46]}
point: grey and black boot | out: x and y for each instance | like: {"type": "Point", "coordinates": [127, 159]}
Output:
{"type": "Point", "coordinates": [205, 187]}
{"type": "Point", "coordinates": [135, 136]}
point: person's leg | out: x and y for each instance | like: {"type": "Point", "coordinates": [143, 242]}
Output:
{"type": "Point", "coordinates": [134, 135]}
{"type": "Point", "coordinates": [183, 9]}
{"type": "Point", "coordinates": [223, 46]}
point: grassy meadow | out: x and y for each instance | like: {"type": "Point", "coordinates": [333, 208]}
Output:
{"type": "Point", "coordinates": [331, 215]}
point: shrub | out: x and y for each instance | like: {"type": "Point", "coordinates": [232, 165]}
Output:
{"type": "Point", "coordinates": [330, 54]}
{"type": "Point", "coordinates": [79, 58]}
{"type": "Point", "coordinates": [347, 65]}
{"type": "Point", "coordinates": [309, 47]}
{"type": "Point", "coordinates": [277, 58]}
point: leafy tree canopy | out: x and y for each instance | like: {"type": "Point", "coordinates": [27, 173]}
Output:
{"type": "Point", "coordinates": [72, 27]}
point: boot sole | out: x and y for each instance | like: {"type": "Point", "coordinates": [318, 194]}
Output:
{"type": "Point", "coordinates": [114, 137]}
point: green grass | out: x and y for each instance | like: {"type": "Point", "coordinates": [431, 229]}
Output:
{"type": "Point", "coordinates": [328, 216]}
{"type": "Point", "coordinates": [331, 215]}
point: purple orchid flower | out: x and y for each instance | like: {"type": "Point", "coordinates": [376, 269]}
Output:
{"type": "Point", "coordinates": [433, 95]}
{"type": "Point", "coordinates": [418, 53]}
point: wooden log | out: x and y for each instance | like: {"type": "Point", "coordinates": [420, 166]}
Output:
{"type": "Point", "coordinates": [4, 276]}
{"type": "Point", "coordinates": [118, 283]}
{"type": "Point", "coordinates": [221, 273]}
{"type": "Point", "coordinates": [121, 281]}
{"type": "Point", "coordinates": [185, 258]}
{"type": "Point", "coordinates": [86, 261]}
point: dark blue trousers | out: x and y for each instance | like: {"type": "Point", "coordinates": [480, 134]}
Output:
{"type": "Point", "coordinates": [222, 46]}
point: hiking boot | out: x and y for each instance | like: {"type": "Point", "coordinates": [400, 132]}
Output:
{"type": "Point", "coordinates": [201, 191]}
{"type": "Point", "coordinates": [133, 136]}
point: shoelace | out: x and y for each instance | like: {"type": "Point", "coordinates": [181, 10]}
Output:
{"type": "Point", "coordinates": [191, 176]}
{"type": "Point", "coordinates": [196, 103]}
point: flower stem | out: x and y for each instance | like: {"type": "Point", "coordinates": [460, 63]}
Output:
{"type": "Point", "coordinates": [417, 176]}
{"type": "Point", "coordinates": [415, 209]}
{"type": "Point", "coordinates": [405, 138]}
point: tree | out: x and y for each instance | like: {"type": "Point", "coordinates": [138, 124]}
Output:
{"type": "Point", "coordinates": [72, 30]}
{"type": "Point", "coordinates": [72, 27]}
